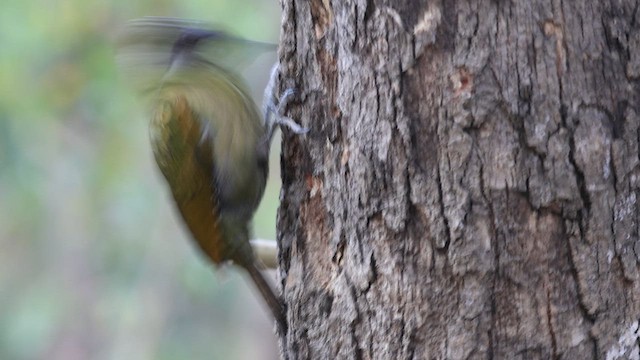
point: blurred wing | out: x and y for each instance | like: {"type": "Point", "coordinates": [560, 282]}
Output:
{"type": "Point", "coordinates": [145, 49]}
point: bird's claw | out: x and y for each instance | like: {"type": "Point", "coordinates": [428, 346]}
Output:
{"type": "Point", "coordinates": [278, 112]}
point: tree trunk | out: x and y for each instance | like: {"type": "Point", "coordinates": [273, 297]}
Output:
{"type": "Point", "coordinates": [468, 187]}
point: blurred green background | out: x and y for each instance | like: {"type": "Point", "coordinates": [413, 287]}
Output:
{"type": "Point", "coordinates": [94, 264]}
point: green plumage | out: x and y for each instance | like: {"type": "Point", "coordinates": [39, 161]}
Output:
{"type": "Point", "coordinates": [208, 137]}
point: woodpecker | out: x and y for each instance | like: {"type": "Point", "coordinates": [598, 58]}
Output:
{"type": "Point", "coordinates": [209, 139]}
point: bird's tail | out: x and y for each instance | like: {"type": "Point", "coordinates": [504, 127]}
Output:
{"type": "Point", "coordinates": [272, 300]}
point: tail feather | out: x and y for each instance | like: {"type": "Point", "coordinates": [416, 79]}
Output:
{"type": "Point", "coordinates": [272, 300]}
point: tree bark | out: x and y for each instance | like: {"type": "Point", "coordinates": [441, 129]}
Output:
{"type": "Point", "coordinates": [469, 184]}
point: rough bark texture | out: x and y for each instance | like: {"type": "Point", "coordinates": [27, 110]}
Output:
{"type": "Point", "coordinates": [469, 185]}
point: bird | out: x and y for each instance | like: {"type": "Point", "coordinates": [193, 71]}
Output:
{"type": "Point", "coordinates": [208, 137]}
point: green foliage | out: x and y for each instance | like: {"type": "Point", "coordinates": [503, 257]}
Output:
{"type": "Point", "coordinates": [94, 262]}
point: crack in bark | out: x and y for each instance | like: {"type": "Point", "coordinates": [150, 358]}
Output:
{"type": "Point", "coordinates": [554, 342]}
{"type": "Point", "coordinates": [582, 217]}
{"type": "Point", "coordinates": [445, 246]}
{"type": "Point", "coordinates": [493, 338]}
{"type": "Point", "coordinates": [579, 291]}
{"type": "Point", "coordinates": [357, 320]}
